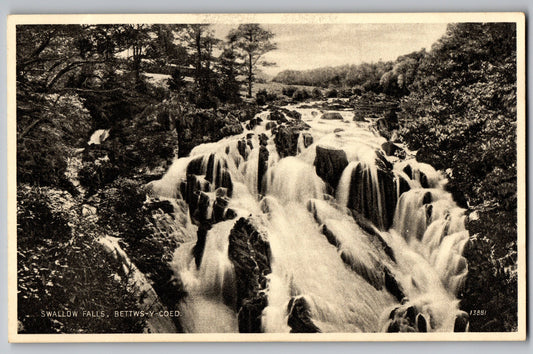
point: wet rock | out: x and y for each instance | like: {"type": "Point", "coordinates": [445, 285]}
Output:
{"type": "Point", "coordinates": [461, 323]}
{"type": "Point", "coordinates": [394, 327]}
{"type": "Point", "coordinates": [427, 199]}
{"type": "Point", "coordinates": [241, 147]}
{"type": "Point", "coordinates": [332, 116]}
{"type": "Point", "coordinates": [307, 138]}
{"type": "Point", "coordinates": [300, 316]}
{"type": "Point", "coordinates": [263, 139]}
{"type": "Point", "coordinates": [366, 203]}
{"type": "Point", "coordinates": [270, 125]}
{"type": "Point", "coordinates": [329, 164]}
{"type": "Point", "coordinates": [392, 149]}
{"type": "Point", "coordinates": [230, 214]}
{"type": "Point", "coordinates": [252, 123]}
{"type": "Point", "coordinates": [277, 116]}
{"type": "Point", "coordinates": [245, 113]}
{"type": "Point", "coordinates": [291, 113]}
{"type": "Point", "coordinates": [219, 208]}
{"type": "Point", "coordinates": [392, 286]}
{"type": "Point", "coordinates": [195, 166]}
{"type": "Point", "coordinates": [424, 180]}
{"type": "Point", "coordinates": [286, 140]}
{"type": "Point", "coordinates": [408, 171]}
{"type": "Point", "coordinates": [250, 254]}
{"type": "Point", "coordinates": [382, 162]}
{"type": "Point", "coordinates": [202, 211]}
{"type": "Point", "coordinates": [359, 117]}
{"type": "Point", "coordinates": [262, 168]}
{"type": "Point", "coordinates": [373, 233]}
{"type": "Point", "coordinates": [198, 249]}
{"type": "Point", "coordinates": [421, 323]}
{"type": "Point", "coordinates": [403, 185]}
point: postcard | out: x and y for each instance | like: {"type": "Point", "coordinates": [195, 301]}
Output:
{"type": "Point", "coordinates": [267, 177]}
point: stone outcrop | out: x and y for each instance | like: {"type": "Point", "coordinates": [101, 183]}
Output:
{"type": "Point", "coordinates": [249, 251]}
{"type": "Point", "coordinates": [300, 316]}
{"type": "Point", "coordinates": [329, 164]}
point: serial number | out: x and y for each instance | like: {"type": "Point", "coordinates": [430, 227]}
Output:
{"type": "Point", "coordinates": [478, 312]}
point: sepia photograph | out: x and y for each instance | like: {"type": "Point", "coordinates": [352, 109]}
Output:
{"type": "Point", "coordinates": [275, 177]}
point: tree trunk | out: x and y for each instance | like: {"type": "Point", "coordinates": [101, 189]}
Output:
{"type": "Point", "coordinates": [250, 75]}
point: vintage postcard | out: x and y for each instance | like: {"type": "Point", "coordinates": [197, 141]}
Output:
{"type": "Point", "coordinates": [267, 177]}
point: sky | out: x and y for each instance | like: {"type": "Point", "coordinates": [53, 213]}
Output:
{"type": "Point", "coordinates": [309, 46]}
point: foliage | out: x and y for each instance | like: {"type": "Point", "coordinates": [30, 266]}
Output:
{"type": "Point", "coordinates": [262, 97]}
{"type": "Point", "coordinates": [229, 68]}
{"type": "Point", "coordinates": [48, 127]}
{"type": "Point", "coordinates": [464, 102]}
{"type": "Point", "coordinates": [126, 213]}
{"type": "Point", "coordinates": [491, 285]}
{"type": "Point", "coordinates": [289, 90]}
{"type": "Point", "coordinates": [460, 115]}
{"type": "Point", "coordinates": [56, 253]}
{"type": "Point", "coordinates": [316, 93]}
{"type": "Point", "coordinates": [300, 95]}
{"type": "Point", "coordinates": [333, 93]}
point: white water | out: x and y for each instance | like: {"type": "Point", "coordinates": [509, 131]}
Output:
{"type": "Point", "coordinates": [342, 279]}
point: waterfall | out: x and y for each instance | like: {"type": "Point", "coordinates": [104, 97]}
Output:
{"type": "Point", "coordinates": [365, 243]}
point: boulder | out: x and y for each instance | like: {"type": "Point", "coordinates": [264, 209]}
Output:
{"type": "Point", "coordinates": [300, 316]}
{"type": "Point", "coordinates": [263, 139]}
{"type": "Point", "coordinates": [392, 149]}
{"type": "Point", "coordinates": [270, 125]}
{"type": "Point", "coordinates": [277, 116]}
{"type": "Point", "coordinates": [392, 285]}
{"type": "Point", "coordinates": [329, 164]}
{"type": "Point", "coordinates": [286, 140]}
{"type": "Point", "coordinates": [331, 116]}
{"type": "Point", "coordinates": [308, 139]}
{"type": "Point", "coordinates": [359, 117]}
{"type": "Point", "coordinates": [461, 322]}
{"type": "Point", "coordinates": [249, 251]}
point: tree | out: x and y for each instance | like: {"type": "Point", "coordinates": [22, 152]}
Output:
{"type": "Point", "coordinates": [229, 68]}
{"type": "Point", "coordinates": [254, 42]}
{"type": "Point", "coordinates": [200, 42]}
{"type": "Point", "coordinates": [163, 49]}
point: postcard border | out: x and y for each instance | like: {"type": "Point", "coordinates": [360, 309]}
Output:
{"type": "Point", "coordinates": [516, 17]}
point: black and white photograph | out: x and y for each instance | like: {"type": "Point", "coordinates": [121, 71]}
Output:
{"type": "Point", "coordinates": [294, 177]}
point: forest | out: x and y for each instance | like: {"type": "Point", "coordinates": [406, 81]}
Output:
{"type": "Point", "coordinates": [161, 90]}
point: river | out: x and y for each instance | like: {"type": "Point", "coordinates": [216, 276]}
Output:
{"type": "Point", "coordinates": [398, 270]}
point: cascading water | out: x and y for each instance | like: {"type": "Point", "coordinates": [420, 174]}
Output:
{"type": "Point", "coordinates": [374, 245]}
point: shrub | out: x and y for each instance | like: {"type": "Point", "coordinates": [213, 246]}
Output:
{"type": "Point", "coordinates": [262, 97]}
{"type": "Point", "coordinates": [316, 93]}
{"type": "Point", "coordinates": [288, 90]}
{"type": "Point", "coordinates": [300, 95]}
{"type": "Point", "coordinates": [333, 93]}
